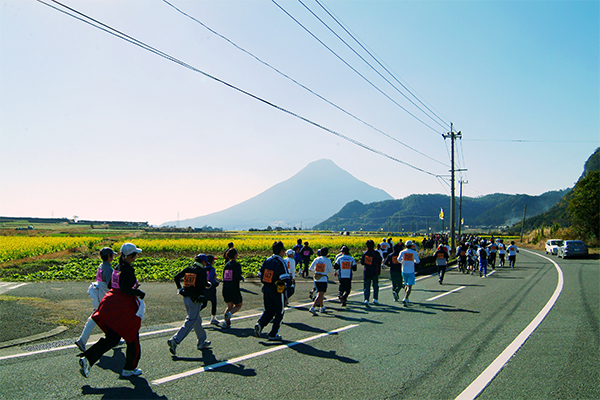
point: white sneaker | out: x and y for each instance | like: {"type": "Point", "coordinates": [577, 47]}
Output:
{"type": "Point", "coordinates": [322, 309]}
{"type": "Point", "coordinates": [227, 318]}
{"type": "Point", "coordinates": [215, 321]}
{"type": "Point", "coordinates": [135, 372]}
{"type": "Point", "coordinates": [85, 367]}
{"type": "Point", "coordinates": [312, 311]}
{"type": "Point", "coordinates": [375, 301]}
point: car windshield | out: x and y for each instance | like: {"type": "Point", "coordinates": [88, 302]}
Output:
{"type": "Point", "coordinates": [556, 243]}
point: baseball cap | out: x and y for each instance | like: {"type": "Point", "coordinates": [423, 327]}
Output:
{"type": "Point", "coordinates": [201, 257]}
{"type": "Point", "coordinates": [107, 251]}
{"type": "Point", "coordinates": [129, 248]}
{"type": "Point", "coordinates": [408, 243]}
{"type": "Point", "coordinates": [289, 252]}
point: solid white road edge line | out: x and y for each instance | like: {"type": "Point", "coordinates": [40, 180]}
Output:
{"type": "Point", "coordinates": [475, 388]}
{"type": "Point", "coordinates": [447, 293]}
{"type": "Point", "coordinates": [247, 356]}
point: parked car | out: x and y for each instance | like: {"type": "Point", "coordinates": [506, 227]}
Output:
{"type": "Point", "coordinates": [573, 248]}
{"type": "Point", "coordinates": [552, 246]}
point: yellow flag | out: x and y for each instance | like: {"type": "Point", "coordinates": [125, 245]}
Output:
{"type": "Point", "coordinates": [441, 213]}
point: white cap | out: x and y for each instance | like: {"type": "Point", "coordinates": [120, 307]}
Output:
{"type": "Point", "coordinates": [408, 243]}
{"type": "Point", "coordinates": [289, 252]}
{"type": "Point", "coordinates": [129, 248]}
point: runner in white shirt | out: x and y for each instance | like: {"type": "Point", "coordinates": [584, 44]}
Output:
{"type": "Point", "coordinates": [344, 266]}
{"type": "Point", "coordinates": [291, 267]}
{"type": "Point", "coordinates": [408, 258]}
{"type": "Point", "coordinates": [512, 254]}
{"type": "Point", "coordinates": [501, 251]}
{"type": "Point", "coordinates": [321, 266]}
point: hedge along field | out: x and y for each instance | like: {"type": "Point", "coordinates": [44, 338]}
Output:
{"type": "Point", "coordinates": [164, 259]}
{"type": "Point", "coordinates": [18, 247]}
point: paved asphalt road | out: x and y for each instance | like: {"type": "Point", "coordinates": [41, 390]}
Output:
{"type": "Point", "coordinates": [434, 349]}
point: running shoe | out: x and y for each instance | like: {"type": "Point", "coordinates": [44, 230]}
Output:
{"type": "Point", "coordinates": [172, 346]}
{"type": "Point", "coordinates": [257, 330]}
{"type": "Point", "coordinates": [375, 301]}
{"type": "Point", "coordinates": [85, 367]}
{"type": "Point", "coordinates": [322, 309]}
{"type": "Point", "coordinates": [311, 294]}
{"type": "Point", "coordinates": [215, 321]}
{"type": "Point", "coordinates": [227, 318]}
{"type": "Point", "coordinates": [204, 345]}
{"type": "Point", "coordinates": [396, 297]}
{"type": "Point", "coordinates": [313, 311]}
{"type": "Point", "coordinates": [276, 337]}
{"type": "Point", "coordinates": [135, 372]}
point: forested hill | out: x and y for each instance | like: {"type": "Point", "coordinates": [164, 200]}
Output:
{"type": "Point", "coordinates": [416, 211]}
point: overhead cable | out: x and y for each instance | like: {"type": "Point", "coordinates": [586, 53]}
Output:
{"type": "Point", "coordinates": [106, 28]}
{"type": "Point", "coordinates": [300, 84]}
{"type": "Point", "coordinates": [354, 69]}
{"type": "Point", "coordinates": [366, 62]}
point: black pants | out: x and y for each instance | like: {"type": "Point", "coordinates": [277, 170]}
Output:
{"type": "Point", "coordinates": [306, 262]}
{"type": "Point", "coordinates": [110, 340]}
{"type": "Point", "coordinates": [345, 288]}
{"type": "Point", "coordinates": [273, 308]}
{"type": "Point", "coordinates": [211, 295]}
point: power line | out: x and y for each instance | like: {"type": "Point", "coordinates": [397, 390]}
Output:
{"type": "Point", "coordinates": [353, 69]}
{"type": "Point", "coordinates": [298, 83]}
{"type": "Point", "coordinates": [369, 64]}
{"type": "Point", "coordinates": [121, 35]}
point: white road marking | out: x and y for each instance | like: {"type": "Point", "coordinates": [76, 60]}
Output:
{"type": "Point", "coordinates": [480, 383]}
{"type": "Point", "coordinates": [6, 286]}
{"type": "Point", "coordinates": [247, 356]}
{"type": "Point", "coordinates": [446, 294]}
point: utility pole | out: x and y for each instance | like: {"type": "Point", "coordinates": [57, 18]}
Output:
{"type": "Point", "coordinates": [460, 209]}
{"type": "Point", "coordinates": [453, 136]}
{"type": "Point", "coordinates": [523, 224]}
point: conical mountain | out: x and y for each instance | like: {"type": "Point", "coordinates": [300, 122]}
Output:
{"type": "Point", "coordinates": [313, 194]}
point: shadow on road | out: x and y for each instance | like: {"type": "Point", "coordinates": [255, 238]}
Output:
{"type": "Point", "coordinates": [140, 390]}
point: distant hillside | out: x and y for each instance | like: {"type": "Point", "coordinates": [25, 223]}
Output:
{"type": "Point", "coordinates": [416, 211]}
{"type": "Point", "coordinates": [317, 191]}
{"type": "Point", "coordinates": [558, 213]}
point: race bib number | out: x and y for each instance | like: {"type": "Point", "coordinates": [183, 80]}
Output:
{"type": "Point", "coordinates": [306, 253]}
{"type": "Point", "coordinates": [440, 255]}
{"type": "Point", "coordinates": [368, 260]}
{"type": "Point", "coordinates": [189, 280]}
{"type": "Point", "coordinates": [99, 275]}
{"type": "Point", "coordinates": [268, 276]}
{"type": "Point", "coordinates": [408, 257]}
{"type": "Point", "coordinates": [395, 260]}
{"type": "Point", "coordinates": [228, 275]}
{"type": "Point", "coordinates": [384, 247]}
{"type": "Point", "coordinates": [462, 254]}
{"type": "Point", "coordinates": [114, 281]}
{"type": "Point", "coordinates": [320, 267]}
{"type": "Point", "coordinates": [346, 265]}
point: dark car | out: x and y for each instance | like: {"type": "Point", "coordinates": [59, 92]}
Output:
{"type": "Point", "coordinates": [573, 248]}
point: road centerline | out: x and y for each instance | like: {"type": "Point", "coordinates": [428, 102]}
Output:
{"type": "Point", "coordinates": [446, 294]}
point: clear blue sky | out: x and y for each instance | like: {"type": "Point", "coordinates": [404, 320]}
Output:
{"type": "Point", "coordinates": [93, 126]}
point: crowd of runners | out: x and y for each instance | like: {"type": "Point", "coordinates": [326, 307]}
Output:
{"type": "Point", "coordinates": [119, 306]}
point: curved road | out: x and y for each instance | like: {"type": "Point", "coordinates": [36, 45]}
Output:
{"type": "Point", "coordinates": [433, 349]}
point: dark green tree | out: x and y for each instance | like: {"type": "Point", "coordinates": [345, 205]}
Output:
{"type": "Point", "coordinates": [584, 206]}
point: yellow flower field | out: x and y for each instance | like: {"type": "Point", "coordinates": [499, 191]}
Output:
{"type": "Point", "coordinates": [17, 247]}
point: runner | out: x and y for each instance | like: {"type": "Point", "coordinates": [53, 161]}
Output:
{"type": "Point", "coordinates": [408, 258]}
{"type": "Point", "coordinates": [306, 252]}
{"type": "Point", "coordinates": [512, 254]}
{"type": "Point", "coordinates": [274, 276]}
{"type": "Point", "coordinates": [492, 249]}
{"type": "Point", "coordinates": [321, 266]}
{"type": "Point", "coordinates": [344, 265]}
{"type": "Point", "coordinates": [119, 315]}
{"type": "Point", "coordinates": [291, 268]}
{"type": "Point", "coordinates": [501, 251]}
{"type": "Point", "coordinates": [232, 275]}
{"type": "Point", "coordinates": [395, 271]}
{"type": "Point", "coordinates": [371, 262]}
{"type": "Point", "coordinates": [461, 253]}
{"type": "Point", "coordinates": [211, 293]}
{"type": "Point", "coordinates": [482, 254]}
{"type": "Point", "coordinates": [97, 290]}
{"type": "Point", "coordinates": [194, 285]}
{"type": "Point", "coordinates": [298, 254]}
{"type": "Point", "coordinates": [441, 261]}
